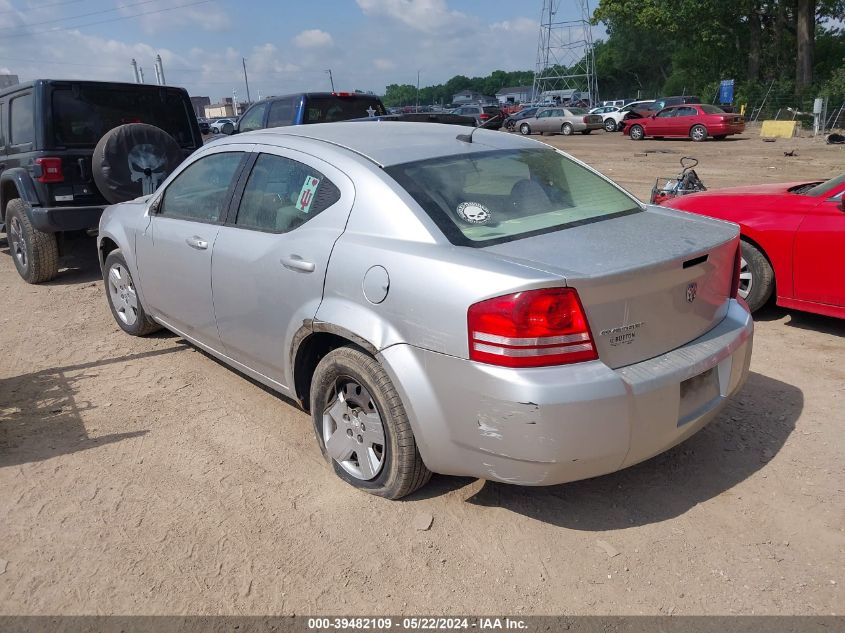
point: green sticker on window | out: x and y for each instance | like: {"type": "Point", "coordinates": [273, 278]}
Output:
{"type": "Point", "coordinates": [307, 193]}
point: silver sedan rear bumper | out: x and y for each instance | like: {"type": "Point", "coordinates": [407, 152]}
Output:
{"type": "Point", "coordinates": [553, 425]}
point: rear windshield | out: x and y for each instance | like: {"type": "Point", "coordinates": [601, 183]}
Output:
{"type": "Point", "coordinates": [83, 114]}
{"type": "Point", "coordinates": [711, 109]}
{"type": "Point", "coordinates": [328, 108]}
{"type": "Point", "coordinates": [578, 111]}
{"type": "Point", "coordinates": [500, 196]}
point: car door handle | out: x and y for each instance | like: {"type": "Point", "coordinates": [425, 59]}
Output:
{"type": "Point", "coordinates": [295, 262]}
{"type": "Point", "coordinates": [197, 243]}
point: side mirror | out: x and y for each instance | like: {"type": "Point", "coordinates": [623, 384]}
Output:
{"type": "Point", "coordinates": [155, 205]}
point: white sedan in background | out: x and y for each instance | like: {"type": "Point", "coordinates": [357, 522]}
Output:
{"type": "Point", "coordinates": [222, 126]}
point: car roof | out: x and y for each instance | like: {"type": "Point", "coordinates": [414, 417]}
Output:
{"type": "Point", "coordinates": [392, 142]}
{"type": "Point", "coordinates": [122, 85]}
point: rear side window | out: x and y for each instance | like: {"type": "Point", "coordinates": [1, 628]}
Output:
{"type": "Point", "coordinates": [282, 194]}
{"type": "Point", "coordinates": [21, 128]}
{"type": "Point", "coordinates": [83, 114]}
{"type": "Point", "coordinates": [328, 108]}
{"type": "Point", "coordinates": [254, 119]}
{"type": "Point", "coordinates": [281, 113]}
{"type": "Point", "coordinates": [488, 198]}
{"type": "Point", "coordinates": [201, 190]}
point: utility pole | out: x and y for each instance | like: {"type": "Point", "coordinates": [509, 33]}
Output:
{"type": "Point", "coordinates": [141, 71]}
{"type": "Point", "coordinates": [418, 91]}
{"type": "Point", "coordinates": [246, 79]}
{"type": "Point", "coordinates": [331, 79]}
{"type": "Point", "coordinates": [134, 65]}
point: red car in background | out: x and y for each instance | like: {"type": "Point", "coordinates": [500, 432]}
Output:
{"type": "Point", "coordinates": [697, 121]}
{"type": "Point", "coordinates": [793, 241]}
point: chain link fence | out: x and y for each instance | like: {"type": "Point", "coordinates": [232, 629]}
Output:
{"type": "Point", "coordinates": [817, 113]}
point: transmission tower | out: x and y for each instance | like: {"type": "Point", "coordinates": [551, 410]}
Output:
{"type": "Point", "coordinates": [565, 58]}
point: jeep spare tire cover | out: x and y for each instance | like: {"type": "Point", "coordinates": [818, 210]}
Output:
{"type": "Point", "coordinates": [132, 160]}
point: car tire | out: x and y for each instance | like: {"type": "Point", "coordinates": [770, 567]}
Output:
{"type": "Point", "coordinates": [525, 129]}
{"type": "Point", "coordinates": [509, 126]}
{"type": "Point", "coordinates": [610, 125]}
{"type": "Point", "coordinates": [351, 389]}
{"type": "Point", "coordinates": [566, 129]}
{"type": "Point", "coordinates": [637, 133]}
{"type": "Point", "coordinates": [698, 133]}
{"type": "Point", "coordinates": [35, 253]}
{"type": "Point", "coordinates": [756, 277]}
{"type": "Point", "coordinates": [121, 295]}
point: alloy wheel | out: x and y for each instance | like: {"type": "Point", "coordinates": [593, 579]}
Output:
{"type": "Point", "coordinates": [353, 431]}
{"type": "Point", "coordinates": [122, 294]}
{"type": "Point", "coordinates": [18, 243]}
{"type": "Point", "coordinates": [746, 280]}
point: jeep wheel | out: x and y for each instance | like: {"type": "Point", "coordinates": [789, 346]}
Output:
{"type": "Point", "coordinates": [362, 427]}
{"type": "Point", "coordinates": [35, 253]}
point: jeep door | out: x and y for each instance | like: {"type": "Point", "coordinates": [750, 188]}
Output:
{"type": "Point", "coordinates": [271, 255]}
{"type": "Point", "coordinates": [174, 252]}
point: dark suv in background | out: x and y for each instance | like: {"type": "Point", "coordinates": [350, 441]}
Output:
{"type": "Point", "coordinates": [49, 173]}
{"type": "Point", "coordinates": [483, 115]}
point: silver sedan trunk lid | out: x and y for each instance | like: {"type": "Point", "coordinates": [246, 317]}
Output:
{"type": "Point", "coordinates": [650, 282]}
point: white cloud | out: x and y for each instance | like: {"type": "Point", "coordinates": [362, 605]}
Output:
{"type": "Point", "coordinates": [208, 17]}
{"type": "Point", "coordinates": [421, 15]}
{"type": "Point", "coordinates": [384, 64]}
{"type": "Point", "coordinates": [516, 26]}
{"type": "Point", "coordinates": [313, 38]}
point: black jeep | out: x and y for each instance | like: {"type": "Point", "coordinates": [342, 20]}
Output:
{"type": "Point", "coordinates": [70, 148]}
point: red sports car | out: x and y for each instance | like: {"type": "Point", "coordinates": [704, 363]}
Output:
{"type": "Point", "coordinates": [793, 241]}
{"type": "Point", "coordinates": [691, 120]}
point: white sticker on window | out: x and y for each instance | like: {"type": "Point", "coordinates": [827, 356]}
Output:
{"type": "Point", "coordinates": [307, 193]}
{"type": "Point", "coordinates": [473, 212]}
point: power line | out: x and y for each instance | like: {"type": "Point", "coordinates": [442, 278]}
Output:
{"type": "Point", "coordinates": [81, 15]}
{"type": "Point", "coordinates": [42, 6]}
{"type": "Point", "coordinates": [125, 17]}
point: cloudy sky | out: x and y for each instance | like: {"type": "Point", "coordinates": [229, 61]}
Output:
{"type": "Point", "coordinates": [288, 43]}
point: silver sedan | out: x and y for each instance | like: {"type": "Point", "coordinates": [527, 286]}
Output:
{"type": "Point", "coordinates": [469, 304]}
{"type": "Point", "coordinates": [561, 120]}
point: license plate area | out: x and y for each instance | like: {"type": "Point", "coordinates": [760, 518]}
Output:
{"type": "Point", "coordinates": [698, 394]}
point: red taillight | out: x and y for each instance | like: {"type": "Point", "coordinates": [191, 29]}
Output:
{"type": "Point", "coordinates": [50, 170]}
{"type": "Point", "coordinates": [737, 267]}
{"type": "Point", "coordinates": [586, 119]}
{"type": "Point", "coordinates": [342, 94]}
{"type": "Point", "coordinates": [534, 328]}
{"type": "Point", "coordinates": [483, 116]}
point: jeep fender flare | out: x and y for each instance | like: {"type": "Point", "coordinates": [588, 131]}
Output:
{"type": "Point", "coordinates": [17, 180]}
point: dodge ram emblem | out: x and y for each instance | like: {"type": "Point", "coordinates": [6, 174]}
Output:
{"type": "Point", "coordinates": [692, 291]}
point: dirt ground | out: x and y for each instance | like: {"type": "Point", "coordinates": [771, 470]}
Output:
{"type": "Point", "coordinates": [140, 476]}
